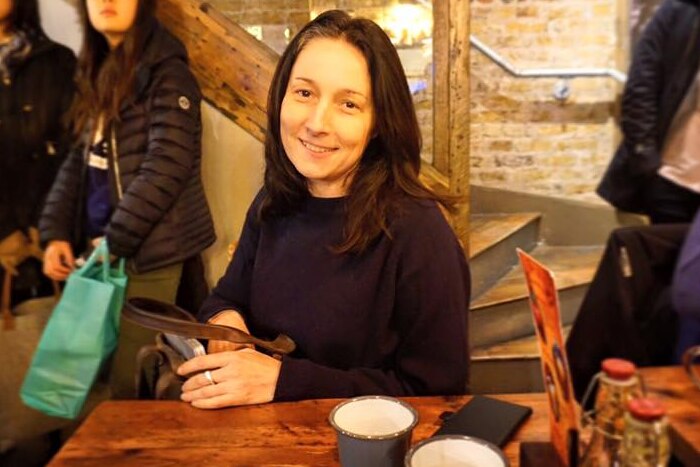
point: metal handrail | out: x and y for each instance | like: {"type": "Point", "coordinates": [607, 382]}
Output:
{"type": "Point", "coordinates": [563, 73]}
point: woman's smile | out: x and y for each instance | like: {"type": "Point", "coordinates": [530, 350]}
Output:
{"type": "Point", "coordinates": [317, 148]}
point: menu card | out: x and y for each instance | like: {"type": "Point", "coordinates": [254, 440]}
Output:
{"type": "Point", "coordinates": [544, 304]}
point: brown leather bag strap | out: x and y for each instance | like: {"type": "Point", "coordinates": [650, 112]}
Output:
{"type": "Point", "coordinates": [165, 317]}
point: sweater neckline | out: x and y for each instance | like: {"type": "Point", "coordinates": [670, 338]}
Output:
{"type": "Point", "coordinates": [325, 204]}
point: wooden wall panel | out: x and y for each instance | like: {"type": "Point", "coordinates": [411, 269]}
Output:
{"type": "Point", "coordinates": [233, 68]}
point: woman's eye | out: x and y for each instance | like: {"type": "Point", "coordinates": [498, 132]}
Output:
{"type": "Point", "coordinates": [305, 93]}
{"type": "Point", "coordinates": [350, 105]}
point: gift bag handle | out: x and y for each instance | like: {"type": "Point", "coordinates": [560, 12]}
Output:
{"type": "Point", "coordinates": [101, 253]}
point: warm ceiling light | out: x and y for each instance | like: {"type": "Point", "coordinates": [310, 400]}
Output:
{"type": "Point", "coordinates": [407, 24]}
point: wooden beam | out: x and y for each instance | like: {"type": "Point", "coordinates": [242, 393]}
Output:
{"type": "Point", "coordinates": [441, 87]}
{"type": "Point", "coordinates": [452, 107]}
{"type": "Point", "coordinates": [233, 68]}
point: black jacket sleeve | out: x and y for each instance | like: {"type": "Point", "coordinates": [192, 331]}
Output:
{"type": "Point", "coordinates": [642, 94]}
{"type": "Point", "coordinates": [60, 214]}
{"type": "Point", "coordinates": [67, 92]}
{"type": "Point", "coordinates": [173, 148]}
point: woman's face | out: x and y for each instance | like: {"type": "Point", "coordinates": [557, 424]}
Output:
{"type": "Point", "coordinates": [112, 18]}
{"type": "Point", "coordinates": [327, 115]}
{"type": "Point", "coordinates": [5, 10]}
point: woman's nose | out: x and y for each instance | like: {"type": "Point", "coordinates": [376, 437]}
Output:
{"type": "Point", "coordinates": [318, 119]}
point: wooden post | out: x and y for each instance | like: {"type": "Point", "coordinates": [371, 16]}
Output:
{"type": "Point", "coordinates": [451, 108]}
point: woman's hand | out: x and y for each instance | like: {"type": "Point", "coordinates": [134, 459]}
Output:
{"type": "Point", "coordinates": [240, 378]}
{"type": "Point", "coordinates": [58, 260]}
{"type": "Point", "coordinates": [232, 319]}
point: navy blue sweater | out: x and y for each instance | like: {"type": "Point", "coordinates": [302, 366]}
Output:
{"type": "Point", "coordinates": [390, 321]}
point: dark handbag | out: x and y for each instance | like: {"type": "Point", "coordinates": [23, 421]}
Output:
{"type": "Point", "coordinates": [156, 375]}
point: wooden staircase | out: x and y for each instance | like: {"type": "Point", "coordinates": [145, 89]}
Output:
{"type": "Point", "coordinates": [505, 357]}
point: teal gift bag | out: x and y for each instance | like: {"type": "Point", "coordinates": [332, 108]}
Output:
{"type": "Point", "coordinates": [80, 335]}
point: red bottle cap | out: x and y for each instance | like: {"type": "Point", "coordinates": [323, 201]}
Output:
{"type": "Point", "coordinates": [646, 409]}
{"type": "Point", "coordinates": [617, 368]}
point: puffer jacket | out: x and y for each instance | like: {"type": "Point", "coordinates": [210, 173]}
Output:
{"type": "Point", "coordinates": [161, 215]}
{"type": "Point", "coordinates": [32, 139]}
{"type": "Point", "coordinates": [664, 65]}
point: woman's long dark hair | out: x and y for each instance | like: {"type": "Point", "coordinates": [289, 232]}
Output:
{"type": "Point", "coordinates": [24, 17]}
{"type": "Point", "coordinates": [390, 164]}
{"type": "Point", "coordinates": [105, 77]}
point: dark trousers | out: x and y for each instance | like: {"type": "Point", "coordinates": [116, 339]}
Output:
{"type": "Point", "coordinates": [669, 203]}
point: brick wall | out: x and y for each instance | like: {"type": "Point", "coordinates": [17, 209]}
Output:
{"type": "Point", "coordinates": [275, 20]}
{"type": "Point", "coordinates": [522, 137]}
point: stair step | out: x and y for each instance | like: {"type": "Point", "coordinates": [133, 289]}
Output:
{"type": "Point", "coordinates": [509, 367]}
{"type": "Point", "coordinates": [493, 239]}
{"type": "Point", "coordinates": [522, 347]}
{"type": "Point", "coordinates": [502, 313]}
{"type": "Point", "coordinates": [571, 266]}
{"type": "Point", "coordinates": [487, 230]}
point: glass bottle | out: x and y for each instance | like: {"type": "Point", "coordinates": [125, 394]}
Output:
{"type": "Point", "coordinates": [619, 383]}
{"type": "Point", "coordinates": [646, 441]}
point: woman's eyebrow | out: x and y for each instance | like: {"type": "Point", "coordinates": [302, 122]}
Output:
{"type": "Point", "coordinates": [342, 91]}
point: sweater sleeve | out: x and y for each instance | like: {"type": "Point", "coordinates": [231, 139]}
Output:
{"type": "Point", "coordinates": [430, 314]}
{"type": "Point", "coordinates": [233, 289]}
{"type": "Point", "coordinates": [685, 288]}
{"type": "Point", "coordinates": [642, 94]}
{"type": "Point", "coordinates": [173, 148]}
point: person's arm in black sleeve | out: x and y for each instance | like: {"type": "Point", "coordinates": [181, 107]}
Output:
{"type": "Point", "coordinates": [173, 145]}
{"type": "Point", "coordinates": [432, 300]}
{"type": "Point", "coordinates": [66, 77]}
{"type": "Point", "coordinates": [59, 216]}
{"type": "Point", "coordinates": [642, 94]}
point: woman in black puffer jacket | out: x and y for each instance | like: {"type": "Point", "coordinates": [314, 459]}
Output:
{"type": "Point", "coordinates": [135, 176]}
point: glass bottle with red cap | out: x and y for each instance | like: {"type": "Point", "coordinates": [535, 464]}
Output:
{"type": "Point", "coordinates": [618, 384]}
{"type": "Point", "coordinates": [646, 442]}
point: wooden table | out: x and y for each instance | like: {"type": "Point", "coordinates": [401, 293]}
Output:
{"type": "Point", "coordinates": [147, 433]}
{"type": "Point", "coordinates": [682, 400]}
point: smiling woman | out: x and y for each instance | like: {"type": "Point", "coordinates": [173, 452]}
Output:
{"type": "Point", "coordinates": [343, 250]}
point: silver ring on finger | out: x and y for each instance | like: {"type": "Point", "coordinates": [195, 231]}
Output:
{"type": "Point", "coordinates": [209, 377]}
